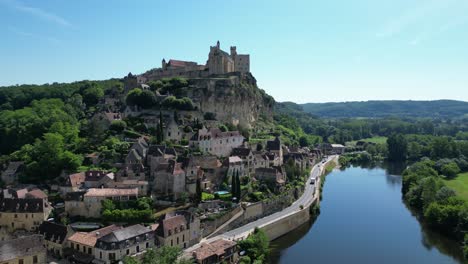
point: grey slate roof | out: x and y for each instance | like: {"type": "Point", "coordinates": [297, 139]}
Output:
{"type": "Point", "coordinates": [25, 246]}
{"type": "Point", "coordinates": [21, 205]}
{"type": "Point", "coordinates": [53, 232]}
{"type": "Point", "coordinates": [125, 233]}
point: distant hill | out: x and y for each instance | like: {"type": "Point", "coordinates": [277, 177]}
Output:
{"type": "Point", "coordinates": [433, 109]}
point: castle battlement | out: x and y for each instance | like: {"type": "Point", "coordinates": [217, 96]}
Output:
{"type": "Point", "coordinates": [219, 62]}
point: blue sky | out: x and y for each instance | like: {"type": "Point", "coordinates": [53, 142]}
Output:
{"type": "Point", "coordinates": [301, 51]}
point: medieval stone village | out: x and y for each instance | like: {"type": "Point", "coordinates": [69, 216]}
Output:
{"type": "Point", "coordinates": [196, 173]}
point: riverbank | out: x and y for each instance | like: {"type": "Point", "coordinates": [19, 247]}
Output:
{"type": "Point", "coordinates": [364, 218]}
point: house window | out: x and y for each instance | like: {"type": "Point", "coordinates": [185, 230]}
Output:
{"type": "Point", "coordinates": [34, 259]}
{"type": "Point", "coordinates": [100, 255]}
{"type": "Point", "coordinates": [147, 244]}
{"type": "Point", "coordinates": [128, 251]}
{"type": "Point", "coordinates": [177, 240]}
{"type": "Point", "coordinates": [172, 243]}
{"type": "Point", "coordinates": [89, 251]}
{"type": "Point", "coordinates": [183, 238]}
{"type": "Point", "coordinates": [20, 261]}
{"type": "Point", "coordinates": [111, 256]}
{"type": "Point", "coordinates": [16, 215]}
{"type": "Point", "coordinates": [138, 248]}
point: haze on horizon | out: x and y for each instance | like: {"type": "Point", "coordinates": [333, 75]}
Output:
{"type": "Point", "coordinates": [300, 51]}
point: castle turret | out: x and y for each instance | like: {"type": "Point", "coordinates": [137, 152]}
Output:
{"type": "Point", "coordinates": [233, 51]}
{"type": "Point", "coordinates": [164, 64]}
{"type": "Point", "coordinates": [217, 44]}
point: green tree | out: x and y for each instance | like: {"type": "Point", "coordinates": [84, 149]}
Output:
{"type": "Point", "coordinates": [118, 126]}
{"type": "Point", "coordinates": [92, 93]}
{"type": "Point", "coordinates": [238, 187]}
{"type": "Point", "coordinates": [397, 147]}
{"type": "Point", "coordinates": [234, 185]}
{"type": "Point", "coordinates": [142, 98]}
{"type": "Point", "coordinates": [256, 246]}
{"type": "Point", "coordinates": [450, 169]}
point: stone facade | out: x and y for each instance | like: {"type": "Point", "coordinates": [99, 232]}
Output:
{"type": "Point", "coordinates": [215, 142]}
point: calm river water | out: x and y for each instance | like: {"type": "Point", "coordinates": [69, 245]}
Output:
{"type": "Point", "coordinates": [364, 220]}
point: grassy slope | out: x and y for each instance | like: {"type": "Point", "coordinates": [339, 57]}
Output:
{"type": "Point", "coordinates": [460, 185]}
{"type": "Point", "coordinates": [377, 140]}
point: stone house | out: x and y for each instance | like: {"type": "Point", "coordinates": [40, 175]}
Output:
{"type": "Point", "coordinates": [105, 119]}
{"type": "Point", "coordinates": [24, 250]}
{"type": "Point", "coordinates": [54, 237]}
{"type": "Point", "coordinates": [138, 152]}
{"type": "Point", "coordinates": [10, 174]}
{"type": "Point", "coordinates": [73, 183]}
{"type": "Point", "coordinates": [158, 154]}
{"type": "Point", "coordinates": [169, 179]}
{"type": "Point", "coordinates": [218, 251]}
{"type": "Point", "coordinates": [130, 241]}
{"type": "Point", "coordinates": [179, 229]}
{"type": "Point", "coordinates": [338, 149]}
{"type": "Point", "coordinates": [23, 213]}
{"type": "Point", "coordinates": [142, 186]}
{"type": "Point", "coordinates": [234, 165]}
{"type": "Point", "coordinates": [261, 160]}
{"type": "Point", "coordinates": [275, 146]}
{"type": "Point", "coordinates": [274, 177]}
{"type": "Point", "coordinates": [301, 160]}
{"type": "Point", "coordinates": [89, 203]}
{"type": "Point", "coordinates": [216, 142]}
{"type": "Point", "coordinates": [97, 179]}
{"type": "Point", "coordinates": [213, 171]}
{"type": "Point", "coordinates": [247, 156]}
{"type": "Point", "coordinates": [81, 245]}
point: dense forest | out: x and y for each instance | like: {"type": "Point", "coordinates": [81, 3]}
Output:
{"type": "Point", "coordinates": [373, 109]}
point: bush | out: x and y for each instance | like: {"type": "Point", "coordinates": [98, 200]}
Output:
{"type": "Point", "coordinates": [118, 126]}
{"type": "Point", "coordinates": [209, 116]}
{"type": "Point", "coordinates": [450, 169]}
{"type": "Point", "coordinates": [172, 102]}
{"type": "Point", "coordinates": [207, 196]}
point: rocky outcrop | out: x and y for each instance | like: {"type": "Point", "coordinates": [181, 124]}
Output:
{"type": "Point", "coordinates": [234, 98]}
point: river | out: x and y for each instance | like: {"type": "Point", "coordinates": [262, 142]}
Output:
{"type": "Point", "coordinates": [364, 220]}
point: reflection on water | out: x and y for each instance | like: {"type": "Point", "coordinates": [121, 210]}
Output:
{"type": "Point", "coordinates": [364, 220]}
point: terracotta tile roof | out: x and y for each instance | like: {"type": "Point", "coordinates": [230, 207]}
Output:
{"type": "Point", "coordinates": [215, 248]}
{"type": "Point", "coordinates": [110, 192]}
{"type": "Point", "coordinates": [75, 180]}
{"type": "Point", "coordinates": [21, 194]}
{"type": "Point", "coordinates": [234, 159]}
{"type": "Point", "coordinates": [90, 238]}
{"type": "Point", "coordinates": [172, 222]}
{"type": "Point", "coordinates": [36, 194]}
{"type": "Point", "coordinates": [179, 63]}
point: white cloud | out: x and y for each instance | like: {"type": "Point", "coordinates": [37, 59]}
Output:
{"type": "Point", "coordinates": [37, 12]}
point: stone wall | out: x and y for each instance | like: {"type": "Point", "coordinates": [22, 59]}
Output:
{"type": "Point", "coordinates": [209, 226]}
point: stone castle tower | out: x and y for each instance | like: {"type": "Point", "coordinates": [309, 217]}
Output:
{"type": "Point", "coordinates": [220, 62]}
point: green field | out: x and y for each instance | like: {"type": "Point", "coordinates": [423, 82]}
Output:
{"type": "Point", "coordinates": [376, 140]}
{"type": "Point", "coordinates": [460, 185]}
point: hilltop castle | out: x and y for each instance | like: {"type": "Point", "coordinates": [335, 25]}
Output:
{"type": "Point", "coordinates": [219, 62]}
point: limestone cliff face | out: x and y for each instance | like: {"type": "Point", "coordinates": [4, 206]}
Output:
{"type": "Point", "coordinates": [234, 98]}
